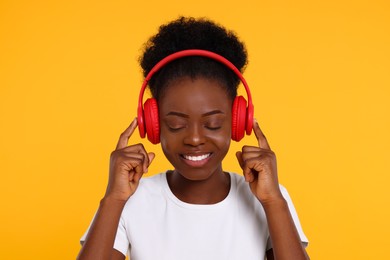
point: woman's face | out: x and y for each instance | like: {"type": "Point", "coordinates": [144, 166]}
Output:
{"type": "Point", "coordinates": [195, 121]}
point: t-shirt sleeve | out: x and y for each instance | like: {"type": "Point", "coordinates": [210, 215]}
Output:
{"type": "Point", "coordinates": [295, 218]}
{"type": "Point", "coordinates": [121, 242]}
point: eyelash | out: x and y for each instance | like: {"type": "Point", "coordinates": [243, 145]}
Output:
{"type": "Point", "coordinates": [213, 128]}
{"type": "Point", "coordinates": [174, 129]}
{"type": "Point", "coordinates": [208, 127]}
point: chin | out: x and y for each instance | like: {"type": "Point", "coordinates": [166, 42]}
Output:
{"type": "Point", "coordinates": [197, 174]}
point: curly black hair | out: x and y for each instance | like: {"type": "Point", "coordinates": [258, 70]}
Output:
{"type": "Point", "coordinates": [191, 33]}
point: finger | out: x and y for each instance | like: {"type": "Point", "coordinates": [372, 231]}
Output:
{"type": "Point", "coordinates": [240, 160]}
{"type": "Point", "coordinates": [249, 148]}
{"type": "Point", "coordinates": [138, 172]}
{"type": "Point", "coordinates": [263, 143]}
{"type": "Point", "coordinates": [140, 150]}
{"type": "Point", "coordinates": [253, 167]}
{"type": "Point", "coordinates": [248, 174]}
{"type": "Point", "coordinates": [148, 160]}
{"type": "Point", "coordinates": [151, 157]}
{"type": "Point", "coordinates": [249, 155]}
{"type": "Point", "coordinates": [256, 152]}
{"type": "Point", "coordinates": [124, 137]}
{"type": "Point", "coordinates": [245, 170]}
{"type": "Point", "coordinates": [145, 159]}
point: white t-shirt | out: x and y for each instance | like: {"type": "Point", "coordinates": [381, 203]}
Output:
{"type": "Point", "coordinates": [155, 224]}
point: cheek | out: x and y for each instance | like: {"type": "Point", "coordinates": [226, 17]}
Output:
{"type": "Point", "coordinates": [168, 143]}
{"type": "Point", "coordinates": [223, 140]}
{"type": "Point", "coordinates": [167, 150]}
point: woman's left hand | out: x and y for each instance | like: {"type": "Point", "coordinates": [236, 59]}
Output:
{"type": "Point", "coordinates": [259, 167]}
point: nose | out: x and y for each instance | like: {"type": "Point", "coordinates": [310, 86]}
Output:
{"type": "Point", "coordinates": [194, 136]}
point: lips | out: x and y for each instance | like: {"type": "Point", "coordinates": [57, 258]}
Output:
{"type": "Point", "coordinates": [196, 160]}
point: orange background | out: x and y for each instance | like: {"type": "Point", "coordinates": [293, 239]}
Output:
{"type": "Point", "coordinates": [69, 83]}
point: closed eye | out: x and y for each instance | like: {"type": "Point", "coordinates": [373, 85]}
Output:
{"type": "Point", "coordinates": [175, 129]}
{"type": "Point", "coordinates": [214, 128]}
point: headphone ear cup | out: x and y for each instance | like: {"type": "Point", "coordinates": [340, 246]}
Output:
{"type": "Point", "coordinates": [152, 123]}
{"type": "Point", "coordinates": [141, 123]}
{"type": "Point", "coordinates": [249, 119]}
{"type": "Point", "coordinates": [238, 118]}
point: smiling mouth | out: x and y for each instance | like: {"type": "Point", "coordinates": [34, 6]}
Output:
{"type": "Point", "coordinates": [196, 158]}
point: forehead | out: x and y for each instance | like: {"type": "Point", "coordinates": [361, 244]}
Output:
{"type": "Point", "coordinates": [199, 94]}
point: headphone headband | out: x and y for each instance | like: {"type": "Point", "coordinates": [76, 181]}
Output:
{"type": "Point", "coordinates": [186, 53]}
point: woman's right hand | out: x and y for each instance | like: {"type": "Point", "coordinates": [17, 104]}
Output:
{"type": "Point", "coordinates": [127, 165]}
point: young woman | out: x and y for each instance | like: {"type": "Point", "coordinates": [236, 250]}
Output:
{"type": "Point", "coordinates": [197, 210]}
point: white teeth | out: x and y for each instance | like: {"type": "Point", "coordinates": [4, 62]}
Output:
{"type": "Point", "coordinates": [196, 158]}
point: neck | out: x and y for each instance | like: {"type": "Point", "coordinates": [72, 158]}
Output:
{"type": "Point", "coordinates": [209, 191]}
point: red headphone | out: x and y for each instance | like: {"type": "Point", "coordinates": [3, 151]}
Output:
{"type": "Point", "coordinates": [148, 120]}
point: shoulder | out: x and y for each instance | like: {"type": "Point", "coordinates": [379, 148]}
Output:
{"type": "Point", "coordinates": [146, 203]}
{"type": "Point", "coordinates": [237, 178]}
{"type": "Point", "coordinates": [151, 182]}
{"type": "Point", "coordinates": [242, 191]}
{"type": "Point", "coordinates": [242, 185]}
{"type": "Point", "coordinates": [149, 189]}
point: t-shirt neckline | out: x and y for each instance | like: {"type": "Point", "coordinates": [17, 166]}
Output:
{"type": "Point", "coordinates": [227, 200]}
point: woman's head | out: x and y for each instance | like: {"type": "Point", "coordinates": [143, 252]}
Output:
{"type": "Point", "coordinates": [194, 94]}
{"type": "Point", "coordinates": [191, 33]}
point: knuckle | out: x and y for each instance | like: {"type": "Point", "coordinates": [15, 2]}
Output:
{"type": "Point", "coordinates": [122, 135]}
{"type": "Point", "coordinates": [136, 147]}
{"type": "Point", "coordinates": [137, 161]}
{"type": "Point", "coordinates": [245, 147]}
{"type": "Point", "coordinates": [250, 161]}
{"type": "Point", "coordinates": [142, 157]}
{"type": "Point", "coordinates": [113, 154]}
{"type": "Point", "coordinates": [141, 146]}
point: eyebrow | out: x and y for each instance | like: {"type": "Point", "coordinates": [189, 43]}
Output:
{"type": "Point", "coordinates": [213, 112]}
